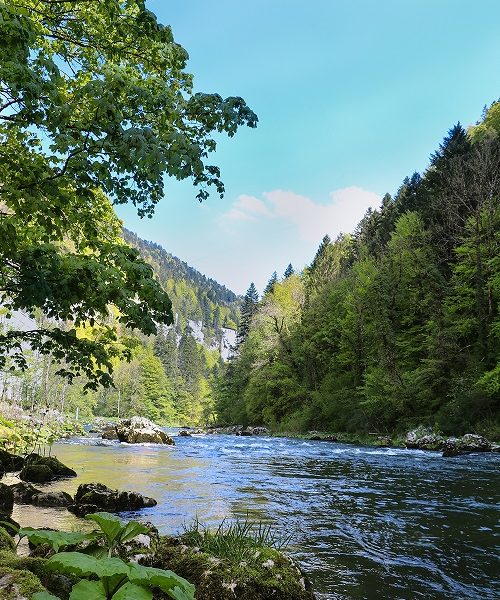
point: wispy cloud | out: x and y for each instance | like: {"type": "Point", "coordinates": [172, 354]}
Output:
{"type": "Point", "coordinates": [312, 220]}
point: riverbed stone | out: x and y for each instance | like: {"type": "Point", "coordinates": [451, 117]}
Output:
{"type": "Point", "coordinates": [94, 497]}
{"type": "Point", "coordinates": [41, 469]}
{"type": "Point", "coordinates": [184, 433]}
{"type": "Point", "coordinates": [6, 499]}
{"type": "Point", "coordinates": [109, 433]}
{"type": "Point", "coordinates": [139, 430]}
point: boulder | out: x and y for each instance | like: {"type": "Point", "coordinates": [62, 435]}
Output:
{"type": "Point", "coordinates": [184, 433]}
{"type": "Point", "coordinates": [138, 430]}
{"type": "Point", "coordinates": [6, 499]}
{"type": "Point", "coordinates": [468, 443]}
{"type": "Point", "coordinates": [23, 492]}
{"type": "Point", "coordinates": [41, 469]}
{"type": "Point", "coordinates": [36, 473]}
{"type": "Point", "coordinates": [423, 438]}
{"type": "Point", "coordinates": [109, 433]}
{"type": "Point", "coordinates": [94, 497]}
{"type": "Point", "coordinates": [52, 499]}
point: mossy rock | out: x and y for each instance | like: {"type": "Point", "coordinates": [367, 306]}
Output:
{"type": "Point", "coordinates": [268, 574]}
{"type": "Point", "coordinates": [59, 585]}
{"type": "Point", "coordinates": [6, 541]}
{"type": "Point", "coordinates": [6, 499]}
{"type": "Point", "coordinates": [18, 584]}
{"type": "Point", "coordinates": [36, 473]}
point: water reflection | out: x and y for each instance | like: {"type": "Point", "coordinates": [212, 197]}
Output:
{"type": "Point", "coordinates": [368, 523]}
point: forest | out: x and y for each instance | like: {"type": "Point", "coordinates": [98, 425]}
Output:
{"type": "Point", "coordinates": [393, 325]}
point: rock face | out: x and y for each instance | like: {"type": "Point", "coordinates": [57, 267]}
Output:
{"type": "Point", "coordinates": [139, 430]}
{"type": "Point", "coordinates": [466, 444]}
{"type": "Point", "coordinates": [41, 469]}
{"type": "Point", "coordinates": [423, 438]}
{"type": "Point", "coordinates": [94, 497]}
{"type": "Point", "coordinates": [6, 499]}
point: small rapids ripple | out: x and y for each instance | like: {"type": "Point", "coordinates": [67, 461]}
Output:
{"type": "Point", "coordinates": [366, 523]}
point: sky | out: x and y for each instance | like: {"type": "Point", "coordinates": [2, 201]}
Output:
{"type": "Point", "coordinates": [351, 95]}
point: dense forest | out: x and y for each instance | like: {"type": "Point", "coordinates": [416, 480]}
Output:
{"type": "Point", "coordinates": [164, 376]}
{"type": "Point", "coordinates": [393, 325]}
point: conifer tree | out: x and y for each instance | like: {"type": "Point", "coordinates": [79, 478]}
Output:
{"type": "Point", "coordinates": [289, 271]}
{"type": "Point", "coordinates": [271, 283]}
{"type": "Point", "coordinates": [248, 310]}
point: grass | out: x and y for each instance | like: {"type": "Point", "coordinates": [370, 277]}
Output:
{"type": "Point", "coordinates": [234, 540]}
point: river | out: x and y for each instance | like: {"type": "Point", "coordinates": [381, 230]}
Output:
{"type": "Point", "coordinates": [366, 523]}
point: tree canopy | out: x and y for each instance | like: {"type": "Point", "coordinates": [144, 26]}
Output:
{"type": "Point", "coordinates": [95, 109]}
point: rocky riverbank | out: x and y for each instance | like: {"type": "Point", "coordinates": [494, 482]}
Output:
{"type": "Point", "coordinates": [246, 568]}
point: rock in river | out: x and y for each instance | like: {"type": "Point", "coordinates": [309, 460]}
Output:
{"type": "Point", "coordinates": [25, 493]}
{"type": "Point", "coordinates": [423, 438]}
{"type": "Point", "coordinates": [139, 430]}
{"type": "Point", "coordinates": [94, 497]}
{"type": "Point", "coordinates": [466, 444]}
{"type": "Point", "coordinates": [41, 469]}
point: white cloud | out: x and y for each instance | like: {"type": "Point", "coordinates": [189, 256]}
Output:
{"type": "Point", "coordinates": [311, 219]}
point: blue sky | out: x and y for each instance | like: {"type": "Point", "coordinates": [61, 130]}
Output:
{"type": "Point", "coordinates": [352, 96]}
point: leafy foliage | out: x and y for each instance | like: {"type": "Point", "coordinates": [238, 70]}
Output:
{"type": "Point", "coordinates": [95, 108]}
{"type": "Point", "coordinates": [394, 326]}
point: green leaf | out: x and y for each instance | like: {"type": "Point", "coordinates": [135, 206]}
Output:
{"type": "Point", "coordinates": [55, 539]}
{"type": "Point", "coordinates": [170, 583]}
{"type": "Point", "coordinates": [130, 591]}
{"type": "Point", "coordinates": [132, 530]}
{"type": "Point", "coordinates": [88, 590]}
{"type": "Point", "coordinates": [76, 563]}
{"type": "Point", "coordinates": [44, 596]}
{"type": "Point", "coordinates": [110, 525]}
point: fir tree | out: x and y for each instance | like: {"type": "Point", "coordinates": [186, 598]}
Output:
{"type": "Point", "coordinates": [271, 283]}
{"type": "Point", "coordinates": [248, 310]}
{"type": "Point", "coordinates": [289, 271]}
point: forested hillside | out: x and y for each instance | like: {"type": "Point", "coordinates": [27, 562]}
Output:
{"type": "Point", "coordinates": [393, 325]}
{"type": "Point", "coordinates": [167, 375]}
{"type": "Point", "coordinates": [194, 296]}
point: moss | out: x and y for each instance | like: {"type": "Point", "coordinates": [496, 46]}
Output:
{"type": "Point", "coordinates": [15, 583]}
{"type": "Point", "coordinates": [60, 585]}
{"type": "Point", "coordinates": [268, 574]}
{"type": "Point", "coordinates": [6, 542]}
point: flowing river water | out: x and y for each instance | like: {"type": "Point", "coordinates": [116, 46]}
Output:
{"type": "Point", "coordinates": [366, 523]}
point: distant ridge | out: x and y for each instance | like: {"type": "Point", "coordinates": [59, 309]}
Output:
{"type": "Point", "coordinates": [195, 297]}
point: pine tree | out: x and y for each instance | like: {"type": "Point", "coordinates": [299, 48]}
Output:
{"type": "Point", "coordinates": [289, 271]}
{"type": "Point", "coordinates": [248, 310]}
{"type": "Point", "coordinates": [271, 283]}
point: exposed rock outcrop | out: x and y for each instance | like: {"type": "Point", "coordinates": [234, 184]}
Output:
{"type": "Point", "coordinates": [138, 430]}
{"type": "Point", "coordinates": [94, 497]}
{"type": "Point", "coordinates": [25, 493]}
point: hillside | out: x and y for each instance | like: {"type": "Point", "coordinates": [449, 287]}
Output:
{"type": "Point", "coordinates": [210, 309]}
